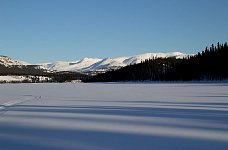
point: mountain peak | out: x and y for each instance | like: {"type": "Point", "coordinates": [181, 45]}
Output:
{"type": "Point", "coordinates": [95, 64]}
{"type": "Point", "coordinates": [7, 61]}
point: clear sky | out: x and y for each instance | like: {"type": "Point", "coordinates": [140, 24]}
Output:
{"type": "Point", "coordinates": [49, 30]}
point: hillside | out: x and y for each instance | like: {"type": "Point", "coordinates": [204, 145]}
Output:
{"type": "Point", "coordinates": [16, 68]}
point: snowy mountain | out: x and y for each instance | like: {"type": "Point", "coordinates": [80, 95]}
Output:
{"type": "Point", "coordinates": [96, 64]}
{"type": "Point", "coordinates": [88, 65]}
{"type": "Point", "coordinates": [15, 70]}
{"type": "Point", "coordinates": [7, 61]}
{"type": "Point", "coordinates": [71, 66]}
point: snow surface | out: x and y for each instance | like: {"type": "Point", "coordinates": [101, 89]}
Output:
{"type": "Point", "coordinates": [114, 116]}
{"type": "Point", "coordinates": [10, 78]}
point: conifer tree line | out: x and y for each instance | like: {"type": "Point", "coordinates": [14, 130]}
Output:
{"type": "Point", "coordinates": [210, 64]}
{"type": "Point", "coordinates": [22, 70]}
{"type": "Point", "coordinates": [36, 72]}
{"type": "Point", "coordinates": [67, 76]}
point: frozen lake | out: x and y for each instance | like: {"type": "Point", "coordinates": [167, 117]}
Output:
{"type": "Point", "coordinates": [114, 116]}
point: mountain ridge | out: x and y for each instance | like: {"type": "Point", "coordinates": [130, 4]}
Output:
{"type": "Point", "coordinates": [7, 61]}
{"type": "Point", "coordinates": [88, 65]}
{"type": "Point", "coordinates": [96, 64]}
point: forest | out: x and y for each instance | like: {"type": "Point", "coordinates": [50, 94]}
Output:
{"type": "Point", "coordinates": [36, 72]}
{"type": "Point", "coordinates": [210, 64]}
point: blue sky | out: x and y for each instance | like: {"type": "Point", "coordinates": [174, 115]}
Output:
{"type": "Point", "coordinates": [49, 30]}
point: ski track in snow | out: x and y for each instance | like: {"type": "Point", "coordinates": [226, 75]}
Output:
{"type": "Point", "coordinates": [114, 116]}
{"type": "Point", "coordinates": [12, 103]}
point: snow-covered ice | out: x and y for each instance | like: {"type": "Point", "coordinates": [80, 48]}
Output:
{"type": "Point", "coordinates": [114, 116]}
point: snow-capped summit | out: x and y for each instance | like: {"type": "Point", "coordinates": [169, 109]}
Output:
{"type": "Point", "coordinates": [71, 66]}
{"type": "Point", "coordinates": [96, 64]}
{"type": "Point", "coordinates": [92, 64]}
{"type": "Point", "coordinates": [138, 58]}
{"type": "Point", "coordinates": [7, 61]}
{"type": "Point", "coordinates": [102, 64]}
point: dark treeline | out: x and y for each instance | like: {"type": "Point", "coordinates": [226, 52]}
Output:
{"type": "Point", "coordinates": [22, 70]}
{"type": "Point", "coordinates": [36, 72]}
{"type": "Point", "coordinates": [67, 76]}
{"type": "Point", "coordinates": [210, 64]}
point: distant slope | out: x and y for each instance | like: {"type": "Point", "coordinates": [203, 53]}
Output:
{"type": "Point", "coordinates": [96, 64]}
{"type": "Point", "coordinates": [7, 61]}
{"type": "Point", "coordinates": [9, 66]}
{"type": "Point", "coordinates": [76, 66]}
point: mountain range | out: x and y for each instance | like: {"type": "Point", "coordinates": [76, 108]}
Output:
{"type": "Point", "coordinates": [11, 69]}
{"type": "Point", "coordinates": [86, 65]}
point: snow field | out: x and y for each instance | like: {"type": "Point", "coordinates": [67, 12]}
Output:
{"type": "Point", "coordinates": [114, 116]}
